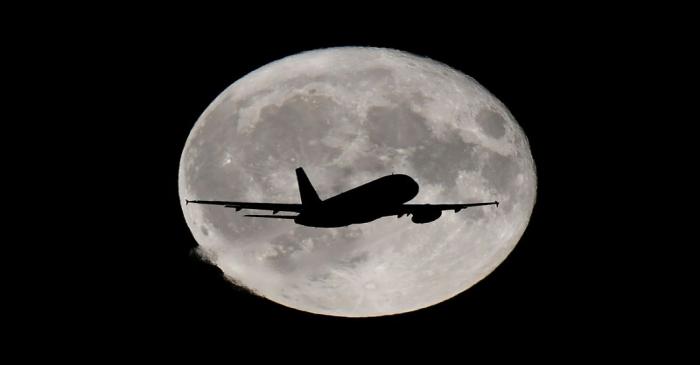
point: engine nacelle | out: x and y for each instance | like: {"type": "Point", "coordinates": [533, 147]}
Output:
{"type": "Point", "coordinates": [426, 215]}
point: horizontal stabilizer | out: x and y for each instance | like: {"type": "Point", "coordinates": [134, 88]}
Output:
{"type": "Point", "coordinates": [271, 216]}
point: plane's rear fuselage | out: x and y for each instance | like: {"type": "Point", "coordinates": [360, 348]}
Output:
{"type": "Point", "coordinates": [362, 204]}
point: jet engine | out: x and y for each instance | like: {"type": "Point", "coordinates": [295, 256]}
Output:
{"type": "Point", "coordinates": [426, 215]}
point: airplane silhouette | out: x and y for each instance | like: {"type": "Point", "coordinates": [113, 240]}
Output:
{"type": "Point", "coordinates": [383, 197]}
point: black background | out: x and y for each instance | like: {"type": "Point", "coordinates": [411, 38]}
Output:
{"type": "Point", "coordinates": [570, 283]}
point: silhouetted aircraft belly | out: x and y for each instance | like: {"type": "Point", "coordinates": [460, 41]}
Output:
{"type": "Point", "coordinates": [382, 197]}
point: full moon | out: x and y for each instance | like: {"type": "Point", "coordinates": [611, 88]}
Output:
{"type": "Point", "coordinates": [347, 116]}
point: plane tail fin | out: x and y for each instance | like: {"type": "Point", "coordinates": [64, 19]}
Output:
{"type": "Point", "coordinates": [306, 190]}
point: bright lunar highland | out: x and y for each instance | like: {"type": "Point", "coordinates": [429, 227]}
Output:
{"type": "Point", "coordinates": [350, 115]}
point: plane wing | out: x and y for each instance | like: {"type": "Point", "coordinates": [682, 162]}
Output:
{"type": "Point", "coordinates": [411, 208]}
{"type": "Point", "coordinates": [274, 207]}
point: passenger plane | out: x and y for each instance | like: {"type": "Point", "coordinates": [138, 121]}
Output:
{"type": "Point", "coordinates": [383, 197]}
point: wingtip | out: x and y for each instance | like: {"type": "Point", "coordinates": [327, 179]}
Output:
{"type": "Point", "coordinates": [187, 202]}
{"type": "Point", "coordinates": [496, 201]}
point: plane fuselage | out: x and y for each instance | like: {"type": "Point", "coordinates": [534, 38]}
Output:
{"type": "Point", "coordinates": [365, 203]}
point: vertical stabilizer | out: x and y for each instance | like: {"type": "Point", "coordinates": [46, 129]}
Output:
{"type": "Point", "coordinates": [306, 190]}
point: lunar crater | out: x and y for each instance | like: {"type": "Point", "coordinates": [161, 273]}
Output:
{"type": "Point", "coordinates": [491, 123]}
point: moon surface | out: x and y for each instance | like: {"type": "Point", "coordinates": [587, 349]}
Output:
{"type": "Point", "coordinates": [349, 115]}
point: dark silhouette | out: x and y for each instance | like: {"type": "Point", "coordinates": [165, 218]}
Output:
{"type": "Point", "coordinates": [382, 197]}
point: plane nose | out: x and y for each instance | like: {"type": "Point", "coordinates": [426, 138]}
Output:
{"type": "Point", "coordinates": [411, 185]}
{"type": "Point", "coordinates": [415, 186]}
